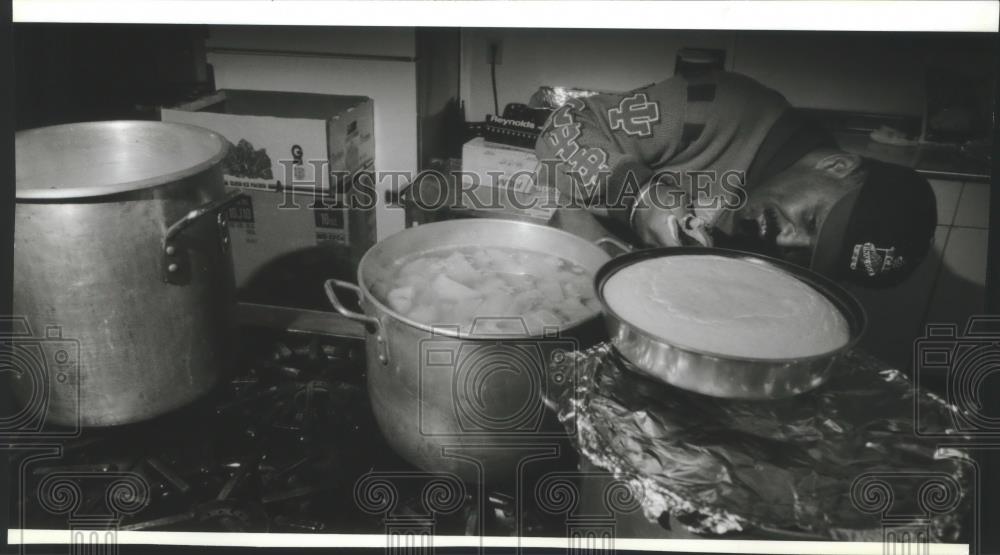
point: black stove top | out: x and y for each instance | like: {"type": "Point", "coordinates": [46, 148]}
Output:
{"type": "Point", "coordinates": [289, 444]}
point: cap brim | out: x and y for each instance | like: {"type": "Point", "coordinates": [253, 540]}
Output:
{"type": "Point", "coordinates": [830, 243]}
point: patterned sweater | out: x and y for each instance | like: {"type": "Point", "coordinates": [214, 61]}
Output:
{"type": "Point", "coordinates": [604, 147]}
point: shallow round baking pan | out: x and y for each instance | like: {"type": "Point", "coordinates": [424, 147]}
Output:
{"type": "Point", "coordinates": [722, 375]}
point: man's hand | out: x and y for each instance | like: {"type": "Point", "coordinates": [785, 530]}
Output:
{"type": "Point", "coordinates": [662, 218]}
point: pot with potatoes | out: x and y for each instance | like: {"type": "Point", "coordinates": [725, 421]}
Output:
{"type": "Point", "coordinates": [463, 319]}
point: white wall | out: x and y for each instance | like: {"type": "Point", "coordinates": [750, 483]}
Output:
{"type": "Point", "coordinates": [872, 73]}
{"type": "Point", "coordinates": [346, 41]}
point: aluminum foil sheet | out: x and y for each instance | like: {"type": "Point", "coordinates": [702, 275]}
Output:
{"type": "Point", "coordinates": [842, 462]}
{"type": "Point", "coordinates": [555, 97]}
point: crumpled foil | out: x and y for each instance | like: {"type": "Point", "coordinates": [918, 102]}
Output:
{"type": "Point", "coordinates": [841, 462]}
{"type": "Point", "coordinates": [555, 97]}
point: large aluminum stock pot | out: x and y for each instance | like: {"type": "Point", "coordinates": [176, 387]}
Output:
{"type": "Point", "coordinates": [719, 375]}
{"type": "Point", "coordinates": [466, 403]}
{"type": "Point", "coordinates": [120, 244]}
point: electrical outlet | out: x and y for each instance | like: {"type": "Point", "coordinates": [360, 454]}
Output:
{"type": "Point", "coordinates": [494, 52]}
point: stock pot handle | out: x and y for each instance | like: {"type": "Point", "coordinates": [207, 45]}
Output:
{"type": "Point", "coordinates": [173, 263]}
{"type": "Point", "coordinates": [620, 245]}
{"type": "Point", "coordinates": [344, 311]}
{"type": "Point", "coordinates": [371, 323]}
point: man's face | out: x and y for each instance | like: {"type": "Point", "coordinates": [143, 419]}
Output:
{"type": "Point", "coordinates": [783, 215]}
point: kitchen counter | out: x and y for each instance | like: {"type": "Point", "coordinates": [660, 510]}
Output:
{"type": "Point", "coordinates": [934, 161]}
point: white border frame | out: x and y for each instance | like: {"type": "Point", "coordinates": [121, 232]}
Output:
{"type": "Point", "coordinates": [814, 15]}
{"type": "Point", "coordinates": [782, 547]}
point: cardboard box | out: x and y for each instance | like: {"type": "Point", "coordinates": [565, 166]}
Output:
{"type": "Point", "coordinates": [295, 156]}
{"type": "Point", "coordinates": [503, 180]}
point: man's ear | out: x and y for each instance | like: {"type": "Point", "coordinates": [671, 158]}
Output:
{"type": "Point", "coordinates": [839, 164]}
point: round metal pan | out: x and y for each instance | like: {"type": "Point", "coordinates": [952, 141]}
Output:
{"type": "Point", "coordinates": [721, 375]}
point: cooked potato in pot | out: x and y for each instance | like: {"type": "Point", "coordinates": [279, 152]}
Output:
{"type": "Point", "coordinates": [455, 286]}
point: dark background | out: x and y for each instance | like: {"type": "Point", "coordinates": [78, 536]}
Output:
{"type": "Point", "coordinates": [67, 73]}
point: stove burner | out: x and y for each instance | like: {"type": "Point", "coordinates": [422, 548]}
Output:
{"type": "Point", "coordinates": [278, 448]}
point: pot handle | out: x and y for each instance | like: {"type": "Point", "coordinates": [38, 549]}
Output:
{"type": "Point", "coordinates": [620, 245]}
{"type": "Point", "coordinates": [369, 321]}
{"type": "Point", "coordinates": [173, 263]}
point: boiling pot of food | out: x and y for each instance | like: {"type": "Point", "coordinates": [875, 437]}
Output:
{"type": "Point", "coordinates": [121, 268]}
{"type": "Point", "coordinates": [463, 318]}
{"type": "Point", "coordinates": [727, 323]}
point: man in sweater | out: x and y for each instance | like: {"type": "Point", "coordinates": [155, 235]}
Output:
{"type": "Point", "coordinates": [719, 159]}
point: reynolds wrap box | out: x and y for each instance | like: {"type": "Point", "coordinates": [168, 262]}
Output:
{"type": "Point", "coordinates": [297, 157]}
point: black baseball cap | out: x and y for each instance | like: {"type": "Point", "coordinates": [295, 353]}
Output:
{"type": "Point", "coordinates": [878, 233]}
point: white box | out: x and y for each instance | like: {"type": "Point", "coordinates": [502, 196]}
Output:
{"type": "Point", "coordinates": [503, 179]}
{"type": "Point", "coordinates": [281, 141]}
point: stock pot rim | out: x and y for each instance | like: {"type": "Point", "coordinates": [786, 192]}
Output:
{"type": "Point", "coordinates": [28, 188]}
{"type": "Point", "coordinates": [452, 331]}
